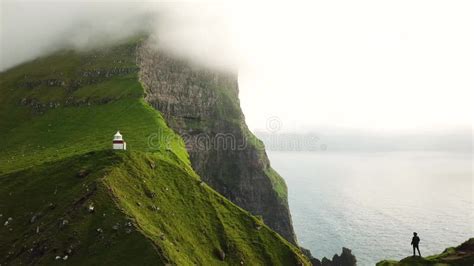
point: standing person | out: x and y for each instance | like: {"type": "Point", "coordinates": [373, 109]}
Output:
{"type": "Point", "coordinates": [414, 242]}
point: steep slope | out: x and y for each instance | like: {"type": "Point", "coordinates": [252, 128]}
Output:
{"type": "Point", "coordinates": [47, 212]}
{"type": "Point", "coordinates": [148, 209]}
{"type": "Point", "coordinates": [203, 107]}
{"type": "Point", "coordinates": [462, 255]}
{"type": "Point", "coordinates": [71, 103]}
{"type": "Point", "coordinates": [57, 117]}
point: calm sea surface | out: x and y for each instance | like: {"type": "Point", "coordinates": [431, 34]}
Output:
{"type": "Point", "coordinates": [372, 202]}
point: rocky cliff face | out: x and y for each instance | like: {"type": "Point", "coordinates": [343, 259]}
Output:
{"type": "Point", "coordinates": [203, 107]}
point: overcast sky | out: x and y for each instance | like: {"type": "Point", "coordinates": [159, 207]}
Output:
{"type": "Point", "coordinates": [372, 65]}
{"type": "Point", "coordinates": [376, 65]}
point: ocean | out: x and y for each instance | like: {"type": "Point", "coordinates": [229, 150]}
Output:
{"type": "Point", "coordinates": [373, 202]}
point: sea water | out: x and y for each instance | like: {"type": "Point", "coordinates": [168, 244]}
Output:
{"type": "Point", "coordinates": [373, 202]}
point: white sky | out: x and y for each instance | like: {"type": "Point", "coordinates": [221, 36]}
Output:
{"type": "Point", "coordinates": [366, 65]}
{"type": "Point", "coordinates": [374, 65]}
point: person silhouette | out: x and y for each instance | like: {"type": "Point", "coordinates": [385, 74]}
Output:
{"type": "Point", "coordinates": [414, 242]}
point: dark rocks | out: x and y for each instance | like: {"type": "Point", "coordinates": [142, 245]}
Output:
{"type": "Point", "coordinates": [220, 254]}
{"type": "Point", "coordinates": [345, 259]}
{"type": "Point", "coordinates": [109, 72]}
{"type": "Point", "coordinates": [8, 221]}
{"type": "Point", "coordinates": [153, 208]}
{"type": "Point", "coordinates": [87, 77]}
{"type": "Point", "coordinates": [150, 194]}
{"type": "Point", "coordinates": [63, 223]}
{"type": "Point", "coordinates": [82, 173]}
{"type": "Point", "coordinates": [326, 262]}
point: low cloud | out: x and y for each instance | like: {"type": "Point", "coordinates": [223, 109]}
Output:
{"type": "Point", "coordinates": [30, 29]}
{"type": "Point", "coordinates": [392, 65]}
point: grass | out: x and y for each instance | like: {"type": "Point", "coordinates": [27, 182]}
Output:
{"type": "Point", "coordinates": [193, 222]}
{"type": "Point", "coordinates": [278, 184]}
{"type": "Point", "coordinates": [97, 111]}
{"type": "Point", "coordinates": [53, 193]}
{"type": "Point", "coordinates": [57, 121]}
{"type": "Point", "coordinates": [175, 218]}
{"type": "Point", "coordinates": [460, 255]}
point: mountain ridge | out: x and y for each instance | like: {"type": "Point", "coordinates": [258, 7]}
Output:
{"type": "Point", "coordinates": [66, 196]}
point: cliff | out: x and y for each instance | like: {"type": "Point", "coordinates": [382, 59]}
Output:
{"type": "Point", "coordinates": [203, 107]}
{"type": "Point", "coordinates": [66, 197]}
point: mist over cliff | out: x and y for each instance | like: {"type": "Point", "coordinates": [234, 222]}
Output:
{"type": "Point", "coordinates": [36, 28]}
{"type": "Point", "coordinates": [312, 64]}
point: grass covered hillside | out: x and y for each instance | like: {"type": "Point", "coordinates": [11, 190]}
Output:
{"type": "Point", "coordinates": [67, 198]}
{"type": "Point", "coordinates": [71, 103]}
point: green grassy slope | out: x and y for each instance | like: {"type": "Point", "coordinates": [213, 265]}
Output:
{"type": "Point", "coordinates": [49, 204]}
{"type": "Point", "coordinates": [82, 109]}
{"type": "Point", "coordinates": [460, 255]}
{"type": "Point", "coordinates": [58, 115]}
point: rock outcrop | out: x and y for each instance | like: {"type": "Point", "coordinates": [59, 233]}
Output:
{"type": "Point", "coordinates": [345, 259]}
{"type": "Point", "coordinates": [203, 107]}
{"type": "Point", "coordinates": [462, 255]}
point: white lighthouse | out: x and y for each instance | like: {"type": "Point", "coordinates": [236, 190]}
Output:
{"type": "Point", "coordinates": [118, 143]}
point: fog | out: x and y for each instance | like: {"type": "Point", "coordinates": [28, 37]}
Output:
{"type": "Point", "coordinates": [192, 30]}
{"type": "Point", "coordinates": [381, 66]}
{"type": "Point", "coordinates": [33, 28]}
{"type": "Point", "coordinates": [326, 139]}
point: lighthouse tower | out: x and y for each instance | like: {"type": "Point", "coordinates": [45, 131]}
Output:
{"type": "Point", "coordinates": [118, 143]}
